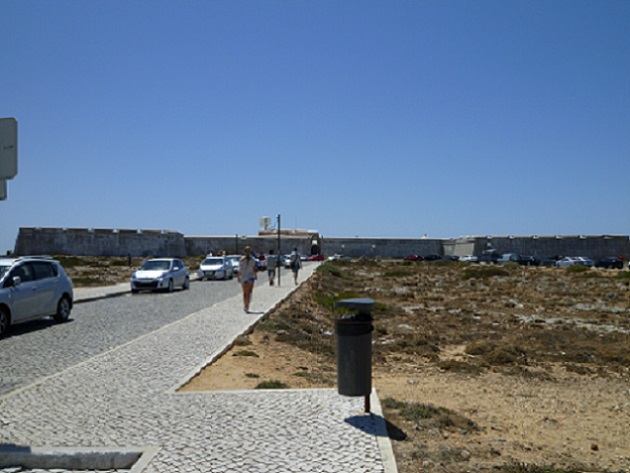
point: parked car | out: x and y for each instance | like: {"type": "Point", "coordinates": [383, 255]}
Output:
{"type": "Point", "coordinates": [234, 259]}
{"type": "Point", "coordinates": [489, 256]}
{"type": "Point", "coordinates": [574, 260]}
{"type": "Point", "coordinates": [261, 262]}
{"type": "Point", "coordinates": [338, 258]}
{"type": "Point", "coordinates": [160, 274]}
{"type": "Point", "coordinates": [32, 287]}
{"type": "Point", "coordinates": [315, 258]}
{"type": "Point", "coordinates": [468, 259]}
{"type": "Point", "coordinates": [413, 258]}
{"type": "Point", "coordinates": [525, 260]}
{"type": "Point", "coordinates": [216, 267]}
{"type": "Point", "coordinates": [610, 262]}
{"type": "Point", "coordinates": [432, 257]}
{"type": "Point", "coordinates": [566, 261]}
{"type": "Point", "coordinates": [550, 261]}
{"type": "Point", "coordinates": [585, 261]}
{"type": "Point", "coordinates": [507, 258]}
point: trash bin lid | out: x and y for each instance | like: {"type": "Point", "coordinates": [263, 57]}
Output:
{"type": "Point", "coordinates": [363, 305]}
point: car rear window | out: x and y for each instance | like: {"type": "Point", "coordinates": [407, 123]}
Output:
{"type": "Point", "coordinates": [213, 261]}
{"type": "Point", "coordinates": [156, 265]}
{"type": "Point", "coordinates": [44, 270]}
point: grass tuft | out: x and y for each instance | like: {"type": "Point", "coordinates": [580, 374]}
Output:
{"type": "Point", "coordinates": [273, 384]}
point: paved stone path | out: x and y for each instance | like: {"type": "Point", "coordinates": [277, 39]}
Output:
{"type": "Point", "coordinates": [127, 398]}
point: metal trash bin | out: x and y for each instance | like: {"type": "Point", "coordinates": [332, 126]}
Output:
{"type": "Point", "coordinates": [354, 348]}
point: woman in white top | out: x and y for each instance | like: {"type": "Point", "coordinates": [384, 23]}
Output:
{"type": "Point", "coordinates": [247, 276]}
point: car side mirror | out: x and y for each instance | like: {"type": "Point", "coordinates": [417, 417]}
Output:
{"type": "Point", "coordinates": [17, 280]}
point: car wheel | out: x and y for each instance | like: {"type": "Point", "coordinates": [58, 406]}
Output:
{"type": "Point", "coordinates": [170, 285]}
{"type": "Point", "coordinates": [63, 310]}
{"type": "Point", "coordinates": [134, 291]}
{"type": "Point", "coordinates": [5, 322]}
{"type": "Point", "coordinates": [186, 283]}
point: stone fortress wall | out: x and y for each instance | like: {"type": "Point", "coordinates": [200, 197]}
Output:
{"type": "Point", "coordinates": [145, 243]}
{"type": "Point", "coordinates": [98, 242]}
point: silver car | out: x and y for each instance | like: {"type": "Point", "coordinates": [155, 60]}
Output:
{"type": "Point", "coordinates": [216, 267]}
{"type": "Point", "coordinates": [32, 287]}
{"type": "Point", "coordinates": [160, 274]}
{"type": "Point", "coordinates": [234, 259]}
{"type": "Point", "coordinates": [573, 261]}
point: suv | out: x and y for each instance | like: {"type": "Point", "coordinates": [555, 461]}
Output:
{"type": "Point", "coordinates": [32, 287]}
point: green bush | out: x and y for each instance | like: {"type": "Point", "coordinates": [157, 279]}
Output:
{"type": "Point", "coordinates": [328, 301]}
{"type": "Point", "coordinates": [273, 384]}
{"type": "Point", "coordinates": [332, 269]}
{"type": "Point", "coordinates": [246, 353]}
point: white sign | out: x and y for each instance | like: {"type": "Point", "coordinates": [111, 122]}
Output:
{"type": "Point", "coordinates": [8, 148]}
{"type": "Point", "coordinates": [3, 189]}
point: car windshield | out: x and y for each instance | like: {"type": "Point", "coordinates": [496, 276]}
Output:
{"type": "Point", "coordinates": [212, 261]}
{"type": "Point", "coordinates": [156, 266]}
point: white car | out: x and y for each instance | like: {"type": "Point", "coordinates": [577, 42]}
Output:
{"type": "Point", "coordinates": [32, 287]}
{"type": "Point", "coordinates": [216, 267]}
{"type": "Point", "coordinates": [234, 259]}
{"type": "Point", "coordinates": [574, 260]}
{"type": "Point", "coordinates": [468, 259]}
{"type": "Point", "coordinates": [160, 274]}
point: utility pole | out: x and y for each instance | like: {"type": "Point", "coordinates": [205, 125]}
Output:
{"type": "Point", "coordinates": [279, 256]}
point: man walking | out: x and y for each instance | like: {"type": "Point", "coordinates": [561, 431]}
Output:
{"type": "Point", "coordinates": [271, 266]}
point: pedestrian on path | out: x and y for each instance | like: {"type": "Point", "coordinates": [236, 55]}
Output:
{"type": "Point", "coordinates": [271, 266]}
{"type": "Point", "coordinates": [295, 264]}
{"type": "Point", "coordinates": [247, 277]}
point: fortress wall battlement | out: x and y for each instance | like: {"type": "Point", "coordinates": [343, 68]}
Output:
{"type": "Point", "coordinates": [142, 242]}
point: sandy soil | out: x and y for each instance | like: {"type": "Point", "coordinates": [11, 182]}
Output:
{"type": "Point", "coordinates": [560, 419]}
{"type": "Point", "coordinates": [528, 367]}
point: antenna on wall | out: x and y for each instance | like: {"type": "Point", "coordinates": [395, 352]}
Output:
{"type": "Point", "coordinates": [264, 222]}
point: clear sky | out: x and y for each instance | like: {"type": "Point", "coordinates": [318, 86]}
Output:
{"type": "Point", "coordinates": [353, 118]}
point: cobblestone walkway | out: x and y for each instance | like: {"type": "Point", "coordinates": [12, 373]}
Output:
{"type": "Point", "coordinates": [127, 398]}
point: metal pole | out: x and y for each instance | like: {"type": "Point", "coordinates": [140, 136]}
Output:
{"type": "Point", "coordinates": [279, 255]}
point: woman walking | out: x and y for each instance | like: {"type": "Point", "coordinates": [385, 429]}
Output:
{"type": "Point", "coordinates": [247, 276]}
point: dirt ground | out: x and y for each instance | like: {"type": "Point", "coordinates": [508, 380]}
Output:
{"type": "Point", "coordinates": [478, 368]}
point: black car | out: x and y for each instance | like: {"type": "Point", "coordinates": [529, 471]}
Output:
{"type": "Point", "coordinates": [489, 256]}
{"type": "Point", "coordinates": [432, 257]}
{"type": "Point", "coordinates": [524, 260]}
{"type": "Point", "coordinates": [610, 262]}
{"type": "Point", "coordinates": [550, 261]}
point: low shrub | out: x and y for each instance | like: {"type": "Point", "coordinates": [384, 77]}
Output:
{"type": "Point", "coordinates": [273, 384]}
{"type": "Point", "coordinates": [246, 353]}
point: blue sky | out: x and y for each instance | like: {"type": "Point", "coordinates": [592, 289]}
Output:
{"type": "Point", "coordinates": [368, 118]}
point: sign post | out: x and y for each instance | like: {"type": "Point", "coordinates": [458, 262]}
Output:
{"type": "Point", "coordinates": [8, 153]}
